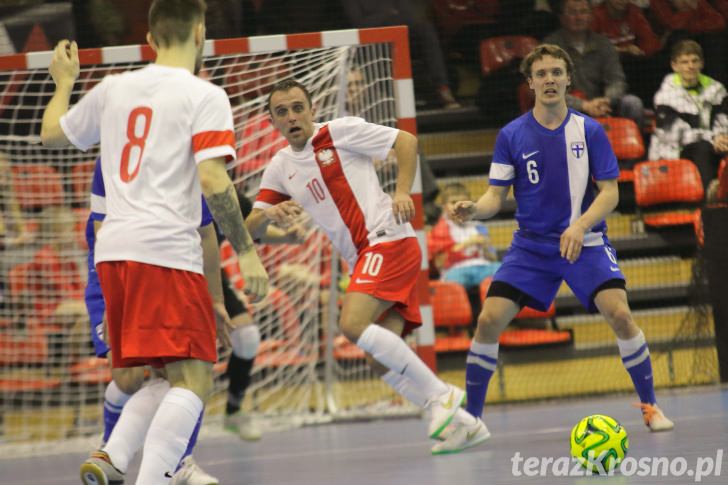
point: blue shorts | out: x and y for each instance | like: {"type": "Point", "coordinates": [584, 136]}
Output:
{"type": "Point", "coordinates": [95, 306]}
{"type": "Point", "coordinates": [539, 273]}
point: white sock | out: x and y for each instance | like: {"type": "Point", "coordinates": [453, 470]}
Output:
{"type": "Point", "coordinates": [630, 346]}
{"type": "Point", "coordinates": [115, 396]}
{"type": "Point", "coordinates": [405, 388]}
{"type": "Point", "coordinates": [169, 435]}
{"type": "Point", "coordinates": [392, 352]}
{"type": "Point", "coordinates": [129, 432]}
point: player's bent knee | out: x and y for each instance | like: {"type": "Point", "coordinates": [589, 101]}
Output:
{"type": "Point", "coordinates": [245, 341]}
{"type": "Point", "coordinates": [489, 326]}
{"type": "Point", "coordinates": [352, 327]}
{"type": "Point", "coordinates": [193, 375]}
{"type": "Point", "coordinates": [129, 379]}
{"type": "Point", "coordinates": [620, 319]}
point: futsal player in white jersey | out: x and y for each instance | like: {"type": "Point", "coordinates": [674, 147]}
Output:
{"type": "Point", "coordinates": [564, 177]}
{"type": "Point", "coordinates": [165, 136]}
{"type": "Point", "coordinates": [328, 170]}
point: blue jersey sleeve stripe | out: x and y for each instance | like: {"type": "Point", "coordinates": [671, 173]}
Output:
{"type": "Point", "coordinates": [501, 183]}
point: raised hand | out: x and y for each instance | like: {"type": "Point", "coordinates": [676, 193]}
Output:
{"type": "Point", "coordinates": [64, 66]}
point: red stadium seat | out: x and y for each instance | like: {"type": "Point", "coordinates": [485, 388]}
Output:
{"type": "Point", "coordinates": [450, 304]}
{"type": "Point", "coordinates": [625, 137]}
{"type": "Point", "coordinates": [37, 185]}
{"type": "Point", "coordinates": [667, 182]}
{"type": "Point", "coordinates": [498, 52]}
{"type": "Point", "coordinates": [451, 310]}
{"type": "Point", "coordinates": [723, 180]}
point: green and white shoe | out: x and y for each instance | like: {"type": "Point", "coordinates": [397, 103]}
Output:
{"type": "Point", "coordinates": [465, 436]}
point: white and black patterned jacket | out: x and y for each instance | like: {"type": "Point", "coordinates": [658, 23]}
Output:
{"type": "Point", "coordinates": [684, 118]}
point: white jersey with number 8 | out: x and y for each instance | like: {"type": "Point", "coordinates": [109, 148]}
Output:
{"type": "Point", "coordinates": [154, 124]}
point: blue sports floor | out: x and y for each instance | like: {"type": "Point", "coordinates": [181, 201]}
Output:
{"type": "Point", "coordinates": [397, 452]}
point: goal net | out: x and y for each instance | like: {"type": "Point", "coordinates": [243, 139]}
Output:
{"type": "Point", "coordinates": [51, 385]}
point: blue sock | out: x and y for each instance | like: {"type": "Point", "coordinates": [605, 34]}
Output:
{"type": "Point", "coordinates": [636, 359]}
{"type": "Point", "coordinates": [193, 440]}
{"type": "Point", "coordinates": [481, 363]}
{"type": "Point", "coordinates": [114, 401]}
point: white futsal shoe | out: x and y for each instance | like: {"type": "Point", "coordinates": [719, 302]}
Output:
{"type": "Point", "coordinates": [468, 432]}
{"type": "Point", "coordinates": [654, 418]}
{"type": "Point", "coordinates": [243, 425]}
{"type": "Point", "coordinates": [442, 409]}
{"type": "Point", "coordinates": [190, 473]}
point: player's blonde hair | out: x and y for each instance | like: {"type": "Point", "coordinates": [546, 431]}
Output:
{"type": "Point", "coordinates": [543, 50]}
{"type": "Point", "coordinates": [171, 21]}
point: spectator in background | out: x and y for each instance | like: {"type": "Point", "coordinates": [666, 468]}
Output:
{"type": "Point", "coordinates": [461, 251]}
{"type": "Point", "coordinates": [598, 85]}
{"type": "Point", "coordinates": [697, 20]}
{"type": "Point", "coordinates": [381, 13]}
{"type": "Point", "coordinates": [623, 22]}
{"type": "Point", "coordinates": [692, 114]}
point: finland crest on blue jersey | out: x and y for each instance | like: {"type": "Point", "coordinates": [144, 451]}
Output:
{"type": "Point", "coordinates": [553, 174]}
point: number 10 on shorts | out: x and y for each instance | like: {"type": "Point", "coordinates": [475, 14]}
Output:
{"type": "Point", "coordinates": [372, 264]}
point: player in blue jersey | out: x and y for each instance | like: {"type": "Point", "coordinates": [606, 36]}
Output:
{"type": "Point", "coordinates": [122, 390]}
{"type": "Point", "coordinates": [564, 177]}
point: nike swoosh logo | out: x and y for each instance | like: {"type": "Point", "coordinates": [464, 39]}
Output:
{"type": "Point", "coordinates": [471, 434]}
{"type": "Point", "coordinates": [529, 155]}
{"type": "Point", "coordinates": [292, 175]}
{"type": "Point", "coordinates": [613, 268]}
{"type": "Point", "coordinates": [167, 475]}
{"type": "Point", "coordinates": [360, 281]}
{"type": "Point", "coordinates": [451, 400]}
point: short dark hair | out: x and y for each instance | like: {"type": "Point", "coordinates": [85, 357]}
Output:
{"type": "Point", "coordinates": [686, 47]}
{"type": "Point", "coordinates": [285, 86]}
{"type": "Point", "coordinates": [171, 21]}
{"type": "Point", "coordinates": [539, 52]}
{"type": "Point", "coordinates": [453, 188]}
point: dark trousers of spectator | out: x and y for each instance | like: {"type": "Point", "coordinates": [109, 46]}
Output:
{"type": "Point", "coordinates": [704, 157]}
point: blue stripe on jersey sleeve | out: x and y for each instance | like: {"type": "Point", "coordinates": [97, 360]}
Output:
{"type": "Point", "coordinates": [206, 214]}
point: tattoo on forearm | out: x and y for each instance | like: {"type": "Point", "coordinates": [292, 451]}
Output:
{"type": "Point", "coordinates": [226, 211]}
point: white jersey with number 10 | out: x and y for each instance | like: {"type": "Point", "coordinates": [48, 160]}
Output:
{"type": "Point", "coordinates": [334, 180]}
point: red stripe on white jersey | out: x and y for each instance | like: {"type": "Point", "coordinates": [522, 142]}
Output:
{"type": "Point", "coordinates": [271, 197]}
{"type": "Point", "coordinates": [333, 175]}
{"type": "Point", "coordinates": [212, 139]}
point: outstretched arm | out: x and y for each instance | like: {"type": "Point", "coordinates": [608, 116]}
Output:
{"type": "Point", "coordinates": [64, 70]}
{"type": "Point", "coordinates": [488, 205]}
